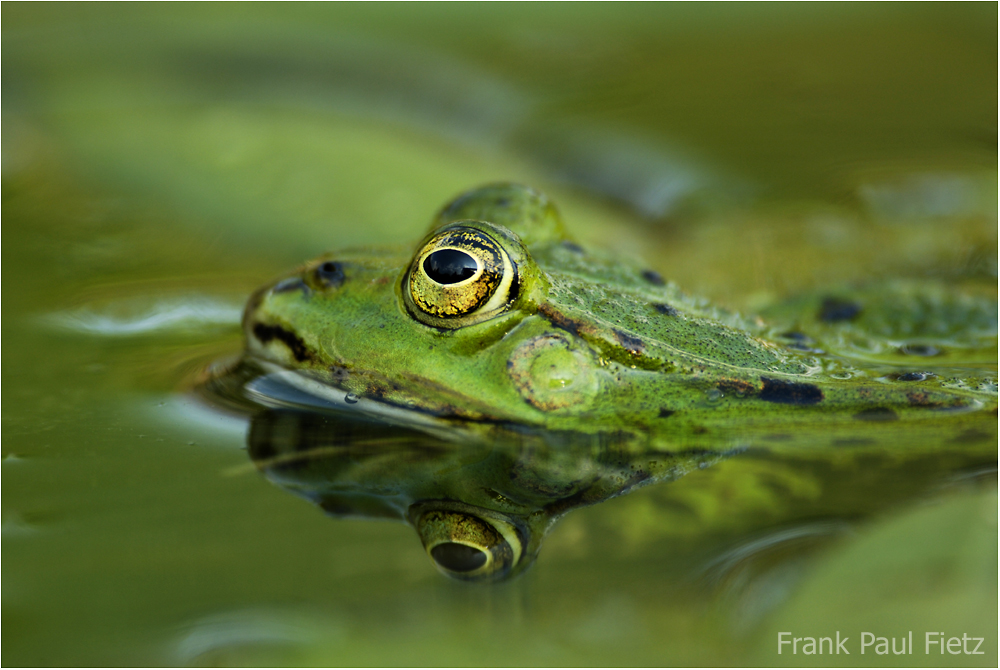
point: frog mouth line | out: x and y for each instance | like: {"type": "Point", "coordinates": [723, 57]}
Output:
{"type": "Point", "coordinates": [281, 388]}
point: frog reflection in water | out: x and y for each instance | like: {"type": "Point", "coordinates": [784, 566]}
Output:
{"type": "Point", "coordinates": [481, 504]}
{"type": "Point", "coordinates": [500, 323]}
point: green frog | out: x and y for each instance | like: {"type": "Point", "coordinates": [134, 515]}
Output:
{"type": "Point", "coordinates": [499, 323]}
{"type": "Point", "coordinates": [498, 315]}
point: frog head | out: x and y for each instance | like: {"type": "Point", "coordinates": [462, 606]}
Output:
{"type": "Point", "coordinates": [450, 328]}
{"type": "Point", "coordinates": [497, 316]}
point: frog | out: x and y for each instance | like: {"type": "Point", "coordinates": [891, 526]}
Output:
{"type": "Point", "coordinates": [500, 316]}
{"type": "Point", "coordinates": [498, 325]}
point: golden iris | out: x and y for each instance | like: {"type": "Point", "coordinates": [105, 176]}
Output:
{"type": "Point", "coordinates": [471, 547]}
{"type": "Point", "coordinates": [461, 276]}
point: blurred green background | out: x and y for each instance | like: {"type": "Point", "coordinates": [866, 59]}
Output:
{"type": "Point", "coordinates": [162, 161]}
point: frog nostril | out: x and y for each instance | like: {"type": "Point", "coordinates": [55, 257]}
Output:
{"type": "Point", "coordinates": [458, 557]}
{"type": "Point", "coordinates": [329, 274]}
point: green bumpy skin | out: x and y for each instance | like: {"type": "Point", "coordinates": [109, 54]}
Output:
{"type": "Point", "coordinates": [566, 339]}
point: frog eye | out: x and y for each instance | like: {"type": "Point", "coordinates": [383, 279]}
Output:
{"type": "Point", "coordinates": [469, 547]}
{"type": "Point", "coordinates": [461, 276]}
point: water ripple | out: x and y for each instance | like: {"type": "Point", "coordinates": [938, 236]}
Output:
{"type": "Point", "coordinates": [128, 319]}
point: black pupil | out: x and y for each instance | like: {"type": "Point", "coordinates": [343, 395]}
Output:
{"type": "Point", "coordinates": [450, 266]}
{"type": "Point", "coordinates": [458, 557]}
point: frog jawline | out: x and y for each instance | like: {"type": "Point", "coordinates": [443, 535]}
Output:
{"type": "Point", "coordinates": [313, 395]}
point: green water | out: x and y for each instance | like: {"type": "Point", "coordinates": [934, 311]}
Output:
{"type": "Point", "coordinates": [159, 163]}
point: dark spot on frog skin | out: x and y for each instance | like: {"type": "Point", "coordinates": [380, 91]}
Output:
{"type": "Point", "coordinates": [835, 310]}
{"type": "Point", "coordinates": [266, 333]}
{"type": "Point", "coordinates": [289, 285]}
{"type": "Point", "coordinates": [560, 320]}
{"type": "Point", "coordinates": [664, 308]}
{"type": "Point", "coordinates": [632, 344]}
{"type": "Point", "coordinates": [876, 414]}
{"type": "Point", "coordinates": [329, 274]}
{"type": "Point", "coordinates": [653, 277]}
{"type": "Point", "coordinates": [572, 246]}
{"type": "Point", "coordinates": [789, 393]}
{"type": "Point", "coordinates": [919, 350]}
{"type": "Point", "coordinates": [665, 413]}
{"type": "Point", "coordinates": [911, 376]}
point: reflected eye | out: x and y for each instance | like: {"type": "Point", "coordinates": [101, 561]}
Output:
{"type": "Point", "coordinates": [469, 547]}
{"type": "Point", "coordinates": [458, 557]}
{"type": "Point", "coordinates": [460, 277]}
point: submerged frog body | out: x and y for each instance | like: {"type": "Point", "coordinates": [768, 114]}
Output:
{"type": "Point", "coordinates": [499, 338]}
{"type": "Point", "coordinates": [499, 316]}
